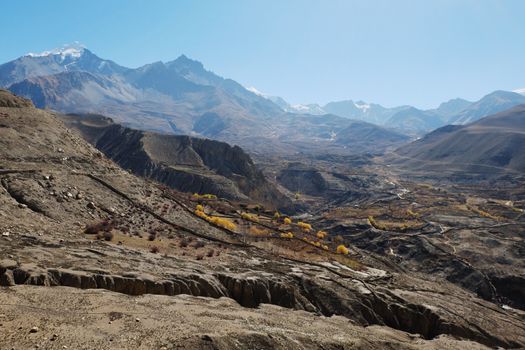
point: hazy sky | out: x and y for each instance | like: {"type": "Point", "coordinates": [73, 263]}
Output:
{"type": "Point", "coordinates": [389, 52]}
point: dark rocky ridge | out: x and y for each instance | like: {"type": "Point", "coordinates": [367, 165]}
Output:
{"type": "Point", "coordinates": [185, 163]}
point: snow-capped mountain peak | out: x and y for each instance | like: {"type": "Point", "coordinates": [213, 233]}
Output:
{"type": "Point", "coordinates": [362, 106]}
{"type": "Point", "coordinates": [520, 91]}
{"type": "Point", "coordinates": [74, 50]}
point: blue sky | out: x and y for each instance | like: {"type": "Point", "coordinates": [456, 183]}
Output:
{"type": "Point", "coordinates": [389, 52]}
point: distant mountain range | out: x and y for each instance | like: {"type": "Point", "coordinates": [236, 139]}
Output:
{"type": "Point", "coordinates": [182, 97]}
{"type": "Point", "coordinates": [411, 120]}
{"type": "Point", "coordinates": [176, 97]}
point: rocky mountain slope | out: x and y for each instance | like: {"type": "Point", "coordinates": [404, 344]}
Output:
{"type": "Point", "coordinates": [491, 145]}
{"type": "Point", "coordinates": [93, 255]}
{"type": "Point", "coordinates": [492, 103]}
{"type": "Point", "coordinates": [181, 162]}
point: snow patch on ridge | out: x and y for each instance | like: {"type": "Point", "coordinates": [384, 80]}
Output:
{"type": "Point", "coordinates": [255, 91]}
{"type": "Point", "coordinates": [300, 107]}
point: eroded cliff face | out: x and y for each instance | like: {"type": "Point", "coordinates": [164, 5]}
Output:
{"type": "Point", "coordinates": [184, 163]}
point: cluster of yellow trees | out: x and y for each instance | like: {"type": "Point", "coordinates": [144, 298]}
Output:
{"type": "Point", "coordinates": [376, 224]}
{"type": "Point", "coordinates": [341, 249]}
{"type": "Point", "coordinates": [287, 235]}
{"type": "Point", "coordinates": [483, 213]}
{"type": "Point", "coordinates": [250, 217]}
{"type": "Point", "coordinates": [304, 226]}
{"type": "Point", "coordinates": [204, 196]}
{"type": "Point", "coordinates": [258, 232]}
{"type": "Point", "coordinates": [412, 213]}
{"type": "Point", "coordinates": [222, 222]}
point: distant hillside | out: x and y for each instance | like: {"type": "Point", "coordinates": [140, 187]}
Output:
{"type": "Point", "coordinates": [369, 112]}
{"type": "Point", "coordinates": [492, 103]}
{"type": "Point", "coordinates": [368, 135]}
{"type": "Point", "coordinates": [415, 120]}
{"type": "Point", "coordinates": [185, 163]}
{"type": "Point", "coordinates": [492, 145]}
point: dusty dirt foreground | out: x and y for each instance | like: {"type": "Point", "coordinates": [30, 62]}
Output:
{"type": "Point", "coordinates": [96, 319]}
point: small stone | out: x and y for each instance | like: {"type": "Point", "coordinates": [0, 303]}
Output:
{"type": "Point", "coordinates": [60, 150]}
{"type": "Point", "coordinates": [91, 205]}
{"type": "Point", "coordinates": [137, 319]}
{"type": "Point", "coordinates": [46, 177]}
{"type": "Point", "coordinates": [33, 330]}
{"type": "Point", "coordinates": [79, 195]}
{"type": "Point", "coordinates": [69, 195]}
{"type": "Point", "coordinates": [21, 205]}
{"type": "Point", "coordinates": [5, 234]}
{"type": "Point", "coordinates": [54, 337]}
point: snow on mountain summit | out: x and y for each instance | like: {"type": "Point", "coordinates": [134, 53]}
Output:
{"type": "Point", "coordinates": [362, 106]}
{"type": "Point", "coordinates": [73, 50]}
{"type": "Point", "coordinates": [520, 91]}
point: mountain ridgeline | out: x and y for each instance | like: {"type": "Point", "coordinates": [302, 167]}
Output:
{"type": "Point", "coordinates": [411, 120]}
{"type": "Point", "coordinates": [177, 97]}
